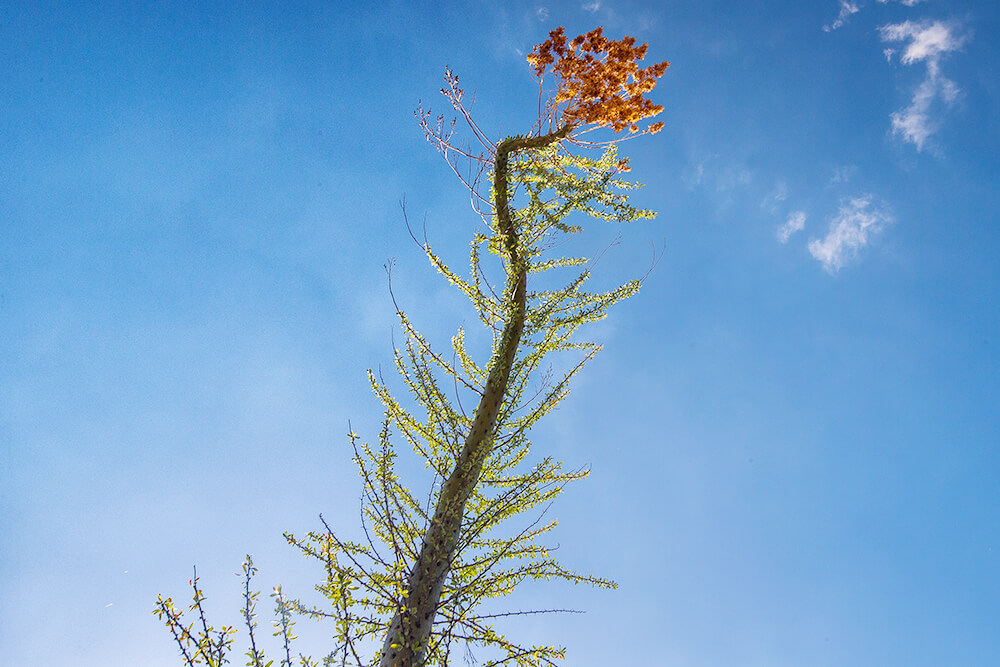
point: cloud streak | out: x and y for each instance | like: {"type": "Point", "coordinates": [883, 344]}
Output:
{"type": "Point", "coordinates": [853, 228]}
{"type": "Point", "coordinates": [796, 223]}
{"type": "Point", "coordinates": [927, 42]}
{"type": "Point", "coordinates": [849, 7]}
{"type": "Point", "coordinates": [846, 9]}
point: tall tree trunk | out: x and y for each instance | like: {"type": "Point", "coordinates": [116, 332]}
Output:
{"type": "Point", "coordinates": [409, 632]}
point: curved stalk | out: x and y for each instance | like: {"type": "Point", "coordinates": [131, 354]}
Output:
{"type": "Point", "coordinates": [409, 632]}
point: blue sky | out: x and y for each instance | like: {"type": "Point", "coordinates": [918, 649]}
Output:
{"type": "Point", "coordinates": [793, 430]}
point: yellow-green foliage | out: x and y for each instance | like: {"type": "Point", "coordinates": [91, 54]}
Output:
{"type": "Point", "coordinates": [476, 533]}
{"type": "Point", "coordinates": [366, 581]}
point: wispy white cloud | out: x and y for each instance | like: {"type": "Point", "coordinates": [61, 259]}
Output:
{"type": "Point", "coordinates": [780, 192]}
{"type": "Point", "coordinates": [732, 177]}
{"type": "Point", "coordinates": [723, 177]}
{"type": "Point", "coordinates": [915, 123]}
{"type": "Point", "coordinates": [726, 182]}
{"type": "Point", "coordinates": [592, 6]}
{"type": "Point", "coordinates": [775, 198]}
{"type": "Point", "coordinates": [843, 174]}
{"type": "Point", "coordinates": [927, 42]}
{"type": "Point", "coordinates": [694, 176]}
{"type": "Point", "coordinates": [796, 223]}
{"type": "Point", "coordinates": [846, 9]}
{"type": "Point", "coordinates": [857, 221]}
{"type": "Point", "coordinates": [542, 13]}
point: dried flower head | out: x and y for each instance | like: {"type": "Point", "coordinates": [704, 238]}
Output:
{"type": "Point", "coordinates": [598, 80]}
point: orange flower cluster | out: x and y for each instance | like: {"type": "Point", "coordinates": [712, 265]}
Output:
{"type": "Point", "coordinates": [593, 75]}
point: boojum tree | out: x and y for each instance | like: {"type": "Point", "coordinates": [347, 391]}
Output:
{"type": "Point", "coordinates": [418, 582]}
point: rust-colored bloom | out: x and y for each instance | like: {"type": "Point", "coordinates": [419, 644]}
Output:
{"type": "Point", "coordinates": [599, 80]}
